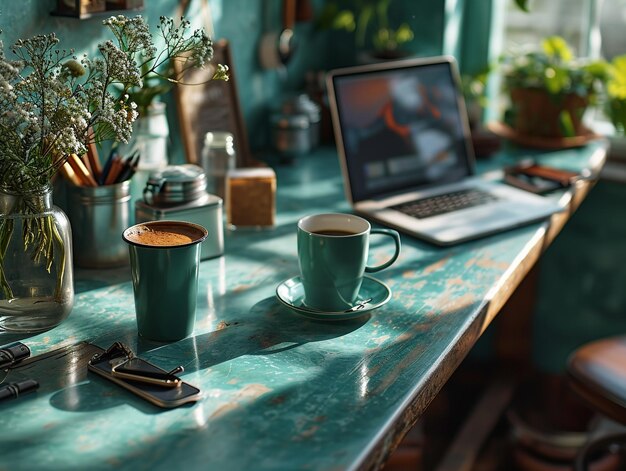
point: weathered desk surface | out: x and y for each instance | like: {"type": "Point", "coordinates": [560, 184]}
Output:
{"type": "Point", "coordinates": [280, 392]}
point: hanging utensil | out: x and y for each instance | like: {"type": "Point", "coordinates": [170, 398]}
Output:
{"type": "Point", "coordinates": [286, 40]}
{"type": "Point", "coordinates": [276, 49]}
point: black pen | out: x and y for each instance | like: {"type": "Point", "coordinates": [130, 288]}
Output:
{"type": "Point", "coordinates": [107, 165]}
{"type": "Point", "coordinates": [13, 353]}
{"type": "Point", "coordinates": [130, 166]}
{"type": "Point", "coordinates": [14, 390]}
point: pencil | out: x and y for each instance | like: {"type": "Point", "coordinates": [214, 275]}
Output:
{"type": "Point", "coordinates": [114, 172]}
{"type": "Point", "coordinates": [68, 174]}
{"type": "Point", "coordinates": [87, 164]}
{"type": "Point", "coordinates": [94, 160]}
{"type": "Point", "coordinates": [81, 171]}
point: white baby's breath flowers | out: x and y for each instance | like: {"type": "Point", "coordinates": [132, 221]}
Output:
{"type": "Point", "coordinates": [53, 104]}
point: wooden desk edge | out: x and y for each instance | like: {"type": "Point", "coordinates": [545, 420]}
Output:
{"type": "Point", "coordinates": [408, 414]}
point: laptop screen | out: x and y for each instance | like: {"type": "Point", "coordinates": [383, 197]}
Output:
{"type": "Point", "coordinates": [401, 126]}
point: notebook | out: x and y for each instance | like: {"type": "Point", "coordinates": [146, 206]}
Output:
{"type": "Point", "coordinates": [406, 156]}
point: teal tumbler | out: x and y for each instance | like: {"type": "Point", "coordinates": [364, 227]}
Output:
{"type": "Point", "coordinates": [165, 260]}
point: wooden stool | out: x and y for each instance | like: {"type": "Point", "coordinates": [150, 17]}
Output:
{"type": "Point", "coordinates": [597, 372]}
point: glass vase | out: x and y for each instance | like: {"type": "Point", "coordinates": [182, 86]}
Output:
{"type": "Point", "coordinates": [36, 275]}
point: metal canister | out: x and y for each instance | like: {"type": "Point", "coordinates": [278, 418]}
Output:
{"type": "Point", "coordinates": [303, 105]}
{"type": "Point", "coordinates": [178, 192]}
{"type": "Point", "coordinates": [291, 134]}
{"type": "Point", "coordinates": [98, 216]}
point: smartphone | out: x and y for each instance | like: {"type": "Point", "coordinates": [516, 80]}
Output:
{"type": "Point", "coordinates": [539, 178]}
{"type": "Point", "coordinates": [152, 391]}
{"type": "Point", "coordinates": [532, 183]}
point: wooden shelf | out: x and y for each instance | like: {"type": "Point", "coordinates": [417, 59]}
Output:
{"type": "Point", "coordinates": [106, 13]}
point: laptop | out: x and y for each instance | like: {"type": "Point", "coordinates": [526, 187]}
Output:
{"type": "Point", "coordinates": [406, 156]}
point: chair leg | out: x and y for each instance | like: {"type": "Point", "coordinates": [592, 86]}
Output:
{"type": "Point", "coordinates": [603, 443]}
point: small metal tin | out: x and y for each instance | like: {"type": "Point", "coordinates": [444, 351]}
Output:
{"type": "Point", "coordinates": [178, 192]}
{"type": "Point", "coordinates": [175, 184]}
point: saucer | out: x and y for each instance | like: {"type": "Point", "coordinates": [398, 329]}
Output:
{"type": "Point", "coordinates": [291, 293]}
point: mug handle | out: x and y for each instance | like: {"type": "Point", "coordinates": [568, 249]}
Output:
{"type": "Point", "coordinates": [396, 239]}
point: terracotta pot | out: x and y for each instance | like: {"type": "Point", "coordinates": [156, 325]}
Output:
{"type": "Point", "coordinates": [537, 113]}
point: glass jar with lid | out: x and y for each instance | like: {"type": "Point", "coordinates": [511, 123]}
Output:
{"type": "Point", "coordinates": [218, 157]}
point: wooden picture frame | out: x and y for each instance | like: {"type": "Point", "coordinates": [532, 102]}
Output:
{"type": "Point", "coordinates": [205, 105]}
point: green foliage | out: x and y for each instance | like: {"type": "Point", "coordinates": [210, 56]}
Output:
{"type": "Point", "coordinates": [365, 18]}
{"type": "Point", "coordinates": [522, 5]}
{"type": "Point", "coordinates": [474, 86]}
{"type": "Point", "coordinates": [616, 93]}
{"type": "Point", "coordinates": [555, 70]}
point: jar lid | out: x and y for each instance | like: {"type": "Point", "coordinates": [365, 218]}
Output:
{"type": "Point", "coordinates": [218, 139]}
{"type": "Point", "coordinates": [175, 184]}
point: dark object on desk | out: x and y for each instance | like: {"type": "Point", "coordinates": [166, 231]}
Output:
{"type": "Point", "coordinates": [12, 354]}
{"type": "Point", "coordinates": [148, 375]}
{"type": "Point", "coordinates": [14, 390]}
{"type": "Point", "coordinates": [539, 178]}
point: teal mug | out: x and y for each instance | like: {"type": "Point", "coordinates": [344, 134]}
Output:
{"type": "Point", "coordinates": [332, 253]}
{"type": "Point", "coordinates": [164, 263]}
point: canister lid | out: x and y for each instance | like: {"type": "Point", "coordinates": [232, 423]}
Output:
{"type": "Point", "coordinates": [175, 184]}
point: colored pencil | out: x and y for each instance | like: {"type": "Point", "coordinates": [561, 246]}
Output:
{"type": "Point", "coordinates": [116, 167]}
{"type": "Point", "coordinates": [68, 174]}
{"type": "Point", "coordinates": [81, 171]}
{"type": "Point", "coordinates": [94, 160]}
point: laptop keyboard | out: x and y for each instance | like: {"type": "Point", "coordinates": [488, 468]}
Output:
{"type": "Point", "coordinates": [446, 203]}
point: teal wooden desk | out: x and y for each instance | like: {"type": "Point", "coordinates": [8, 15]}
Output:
{"type": "Point", "coordinates": [280, 391]}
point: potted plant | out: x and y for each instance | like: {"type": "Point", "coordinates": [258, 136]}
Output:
{"type": "Point", "coordinates": [52, 105]}
{"type": "Point", "coordinates": [550, 90]}
{"type": "Point", "coordinates": [369, 21]}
